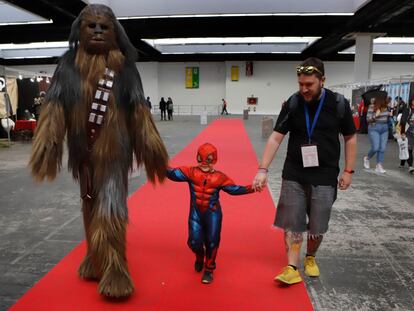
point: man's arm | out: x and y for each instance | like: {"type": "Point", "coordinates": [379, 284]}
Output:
{"type": "Point", "coordinates": [345, 179]}
{"type": "Point", "coordinates": [269, 153]}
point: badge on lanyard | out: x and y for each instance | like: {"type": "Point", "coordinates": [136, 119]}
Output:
{"type": "Point", "coordinates": [310, 151]}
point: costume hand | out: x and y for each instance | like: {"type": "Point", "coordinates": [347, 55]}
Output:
{"type": "Point", "coordinates": [260, 181]}
{"type": "Point", "coordinates": [345, 181]}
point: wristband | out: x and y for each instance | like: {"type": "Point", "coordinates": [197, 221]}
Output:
{"type": "Point", "coordinates": [263, 169]}
{"type": "Point", "coordinates": [349, 171]}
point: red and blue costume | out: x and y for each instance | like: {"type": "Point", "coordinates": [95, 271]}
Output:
{"type": "Point", "coordinates": [204, 223]}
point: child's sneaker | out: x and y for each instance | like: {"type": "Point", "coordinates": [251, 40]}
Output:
{"type": "Point", "coordinates": [207, 277]}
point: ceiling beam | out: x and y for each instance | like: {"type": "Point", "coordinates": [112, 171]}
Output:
{"type": "Point", "coordinates": [368, 19]}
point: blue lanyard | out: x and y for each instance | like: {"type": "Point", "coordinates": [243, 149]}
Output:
{"type": "Point", "coordinates": [318, 111]}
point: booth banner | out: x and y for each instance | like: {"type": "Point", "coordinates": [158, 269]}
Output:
{"type": "Point", "coordinates": [192, 77]}
{"type": "Point", "coordinates": [249, 69]}
{"type": "Point", "coordinates": [2, 84]}
{"type": "Point", "coordinates": [13, 94]}
{"type": "Point", "coordinates": [234, 73]}
{"type": "Point", "coordinates": [399, 89]}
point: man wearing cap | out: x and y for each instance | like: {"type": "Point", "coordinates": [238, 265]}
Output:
{"type": "Point", "coordinates": [314, 117]}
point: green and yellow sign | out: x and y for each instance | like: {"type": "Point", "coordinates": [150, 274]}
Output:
{"type": "Point", "coordinates": [192, 77]}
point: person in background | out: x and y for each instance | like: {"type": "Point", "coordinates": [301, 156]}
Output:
{"type": "Point", "coordinates": [400, 105]}
{"type": "Point", "coordinates": [38, 102]}
{"type": "Point", "coordinates": [362, 111]}
{"type": "Point", "coordinates": [224, 107]}
{"type": "Point", "coordinates": [391, 125]}
{"type": "Point", "coordinates": [407, 119]}
{"type": "Point", "coordinates": [377, 118]}
{"type": "Point", "coordinates": [163, 108]}
{"type": "Point", "coordinates": [170, 108]}
{"type": "Point", "coordinates": [148, 103]}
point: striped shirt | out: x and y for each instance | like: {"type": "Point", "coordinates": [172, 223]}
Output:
{"type": "Point", "coordinates": [378, 116]}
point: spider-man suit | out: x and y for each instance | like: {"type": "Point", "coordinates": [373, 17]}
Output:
{"type": "Point", "coordinates": [204, 222]}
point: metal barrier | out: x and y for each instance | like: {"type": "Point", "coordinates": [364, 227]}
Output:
{"type": "Point", "coordinates": [191, 110]}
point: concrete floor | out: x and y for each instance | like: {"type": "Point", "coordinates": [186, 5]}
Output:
{"type": "Point", "coordinates": [365, 260]}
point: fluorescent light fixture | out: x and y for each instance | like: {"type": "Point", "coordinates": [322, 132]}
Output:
{"type": "Point", "coordinates": [230, 40]}
{"type": "Point", "coordinates": [226, 52]}
{"type": "Point", "coordinates": [381, 53]}
{"type": "Point", "coordinates": [24, 57]}
{"type": "Point", "coordinates": [389, 46]}
{"type": "Point", "coordinates": [27, 23]}
{"type": "Point", "coordinates": [285, 52]}
{"type": "Point", "coordinates": [236, 15]}
{"type": "Point", "coordinates": [34, 45]}
{"type": "Point", "coordinates": [391, 40]}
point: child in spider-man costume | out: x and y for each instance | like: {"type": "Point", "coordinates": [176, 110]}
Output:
{"type": "Point", "coordinates": [204, 222]}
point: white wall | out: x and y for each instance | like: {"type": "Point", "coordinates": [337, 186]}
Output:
{"type": "Point", "coordinates": [149, 76]}
{"type": "Point", "coordinates": [171, 83]}
{"type": "Point", "coordinates": [272, 82]}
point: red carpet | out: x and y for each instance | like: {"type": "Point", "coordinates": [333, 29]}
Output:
{"type": "Point", "coordinates": [160, 262]}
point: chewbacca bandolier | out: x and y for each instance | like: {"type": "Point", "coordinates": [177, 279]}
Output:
{"type": "Point", "coordinates": [96, 98]}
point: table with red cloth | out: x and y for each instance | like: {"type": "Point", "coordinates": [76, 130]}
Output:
{"type": "Point", "coordinates": [25, 125]}
{"type": "Point", "coordinates": [24, 130]}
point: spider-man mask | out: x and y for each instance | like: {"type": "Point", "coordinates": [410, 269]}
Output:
{"type": "Point", "coordinates": [207, 154]}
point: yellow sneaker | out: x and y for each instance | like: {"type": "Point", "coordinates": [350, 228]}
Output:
{"type": "Point", "coordinates": [289, 276]}
{"type": "Point", "coordinates": [311, 268]}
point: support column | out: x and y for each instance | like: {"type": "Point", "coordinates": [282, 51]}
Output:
{"type": "Point", "coordinates": [363, 57]}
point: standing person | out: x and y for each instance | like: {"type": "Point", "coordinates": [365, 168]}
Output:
{"type": "Point", "coordinates": [224, 107]}
{"type": "Point", "coordinates": [170, 108]}
{"type": "Point", "coordinates": [148, 103]}
{"type": "Point", "coordinates": [407, 118]}
{"type": "Point", "coordinates": [314, 117]}
{"type": "Point", "coordinates": [362, 111]}
{"type": "Point", "coordinates": [163, 108]}
{"type": "Point", "coordinates": [377, 118]}
{"type": "Point", "coordinates": [400, 105]}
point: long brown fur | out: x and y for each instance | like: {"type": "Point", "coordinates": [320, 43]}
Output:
{"type": "Point", "coordinates": [46, 158]}
{"type": "Point", "coordinates": [105, 231]}
{"type": "Point", "coordinates": [148, 146]}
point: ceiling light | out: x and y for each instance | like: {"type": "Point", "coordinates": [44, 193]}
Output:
{"type": "Point", "coordinates": [27, 23]}
{"type": "Point", "coordinates": [401, 40]}
{"type": "Point", "coordinates": [24, 57]}
{"type": "Point", "coordinates": [34, 45]}
{"type": "Point", "coordinates": [235, 15]}
{"type": "Point", "coordinates": [230, 40]}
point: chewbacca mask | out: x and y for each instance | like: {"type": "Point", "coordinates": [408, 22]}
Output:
{"type": "Point", "coordinates": [96, 100]}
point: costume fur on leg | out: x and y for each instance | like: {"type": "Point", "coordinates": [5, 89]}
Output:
{"type": "Point", "coordinates": [98, 41]}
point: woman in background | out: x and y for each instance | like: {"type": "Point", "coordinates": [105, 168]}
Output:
{"type": "Point", "coordinates": [377, 118]}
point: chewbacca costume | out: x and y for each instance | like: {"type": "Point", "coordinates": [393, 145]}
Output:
{"type": "Point", "coordinates": [96, 99]}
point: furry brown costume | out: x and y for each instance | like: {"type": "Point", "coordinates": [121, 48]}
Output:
{"type": "Point", "coordinates": [98, 41]}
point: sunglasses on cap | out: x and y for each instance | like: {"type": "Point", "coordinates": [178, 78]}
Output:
{"type": "Point", "coordinates": [307, 70]}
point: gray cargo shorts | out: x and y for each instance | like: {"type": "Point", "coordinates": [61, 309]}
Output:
{"type": "Point", "coordinates": [304, 207]}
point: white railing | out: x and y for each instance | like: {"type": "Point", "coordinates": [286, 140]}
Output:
{"type": "Point", "coordinates": [189, 110]}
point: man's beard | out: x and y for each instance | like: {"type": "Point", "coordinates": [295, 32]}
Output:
{"type": "Point", "coordinates": [315, 99]}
